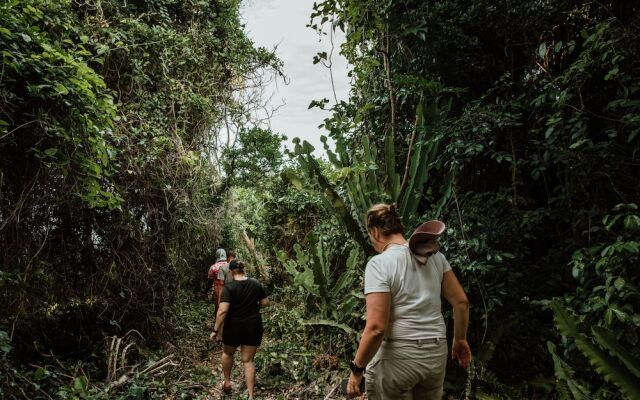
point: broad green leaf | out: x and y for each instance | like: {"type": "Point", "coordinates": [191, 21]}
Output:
{"type": "Point", "coordinates": [61, 89]}
{"type": "Point", "coordinates": [81, 384]}
{"type": "Point", "coordinates": [39, 374]}
{"type": "Point", "coordinates": [542, 50]}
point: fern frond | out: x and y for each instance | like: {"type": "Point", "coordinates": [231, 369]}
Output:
{"type": "Point", "coordinates": [490, 382]}
{"type": "Point", "coordinates": [568, 388]}
{"type": "Point", "coordinates": [607, 339]}
{"type": "Point", "coordinates": [564, 391]}
{"type": "Point", "coordinates": [609, 367]}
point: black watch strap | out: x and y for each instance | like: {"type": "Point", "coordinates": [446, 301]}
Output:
{"type": "Point", "coordinates": [355, 369]}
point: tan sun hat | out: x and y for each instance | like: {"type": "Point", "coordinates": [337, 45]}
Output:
{"type": "Point", "coordinates": [423, 241]}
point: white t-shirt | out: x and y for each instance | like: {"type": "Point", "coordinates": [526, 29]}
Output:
{"type": "Point", "coordinates": [416, 310]}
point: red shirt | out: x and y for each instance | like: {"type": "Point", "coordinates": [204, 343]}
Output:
{"type": "Point", "coordinates": [213, 270]}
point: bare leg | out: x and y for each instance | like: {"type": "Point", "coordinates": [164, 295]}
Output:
{"type": "Point", "coordinates": [248, 352]}
{"type": "Point", "coordinates": [227, 364]}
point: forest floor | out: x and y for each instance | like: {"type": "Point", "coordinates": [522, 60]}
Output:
{"type": "Point", "coordinates": [294, 362]}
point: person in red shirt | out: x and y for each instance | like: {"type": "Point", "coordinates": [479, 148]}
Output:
{"type": "Point", "coordinates": [224, 275]}
{"type": "Point", "coordinates": [212, 276]}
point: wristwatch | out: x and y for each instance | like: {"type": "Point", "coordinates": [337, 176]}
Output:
{"type": "Point", "coordinates": [355, 369]}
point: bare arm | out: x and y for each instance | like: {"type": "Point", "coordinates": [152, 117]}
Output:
{"type": "Point", "coordinates": [222, 314]}
{"type": "Point", "coordinates": [454, 293]}
{"type": "Point", "coordinates": [378, 310]}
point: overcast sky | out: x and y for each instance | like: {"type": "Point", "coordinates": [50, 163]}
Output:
{"type": "Point", "coordinates": [282, 23]}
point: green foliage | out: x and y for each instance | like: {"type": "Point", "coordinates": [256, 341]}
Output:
{"type": "Point", "coordinates": [612, 263]}
{"type": "Point", "coordinates": [516, 122]}
{"type": "Point", "coordinates": [568, 388]}
{"type": "Point", "coordinates": [254, 157]}
{"type": "Point", "coordinates": [49, 88]}
{"type": "Point", "coordinates": [329, 298]}
{"type": "Point", "coordinates": [290, 215]}
{"type": "Point", "coordinates": [606, 299]}
{"type": "Point", "coordinates": [109, 195]}
{"type": "Point", "coordinates": [327, 192]}
{"type": "Point", "coordinates": [360, 183]}
{"type": "Point", "coordinates": [276, 216]}
{"type": "Point", "coordinates": [538, 145]}
{"type": "Point", "coordinates": [184, 377]}
{"type": "Point", "coordinates": [422, 159]}
{"type": "Point", "coordinates": [288, 357]}
{"type": "Point", "coordinates": [614, 366]}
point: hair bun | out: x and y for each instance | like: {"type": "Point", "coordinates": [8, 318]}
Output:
{"type": "Point", "coordinates": [235, 264]}
{"type": "Point", "coordinates": [394, 209]}
{"type": "Point", "coordinates": [386, 217]}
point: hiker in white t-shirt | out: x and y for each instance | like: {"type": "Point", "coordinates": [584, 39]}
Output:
{"type": "Point", "coordinates": [404, 343]}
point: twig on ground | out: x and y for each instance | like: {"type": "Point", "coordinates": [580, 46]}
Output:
{"type": "Point", "coordinates": [328, 396]}
{"type": "Point", "coordinates": [152, 366]}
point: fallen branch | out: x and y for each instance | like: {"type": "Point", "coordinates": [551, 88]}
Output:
{"type": "Point", "coordinates": [153, 369]}
{"type": "Point", "coordinates": [155, 364]}
{"type": "Point", "coordinates": [121, 381]}
{"type": "Point", "coordinates": [159, 368]}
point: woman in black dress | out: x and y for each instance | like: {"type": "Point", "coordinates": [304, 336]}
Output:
{"type": "Point", "coordinates": [239, 311]}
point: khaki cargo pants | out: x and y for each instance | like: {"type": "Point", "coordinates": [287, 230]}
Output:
{"type": "Point", "coordinates": [407, 371]}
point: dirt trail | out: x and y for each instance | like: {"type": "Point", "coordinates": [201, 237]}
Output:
{"type": "Point", "coordinates": [293, 391]}
{"type": "Point", "coordinates": [198, 375]}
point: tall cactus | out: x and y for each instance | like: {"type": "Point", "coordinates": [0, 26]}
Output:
{"type": "Point", "coordinates": [331, 200]}
{"type": "Point", "coordinates": [419, 166]}
{"type": "Point", "coordinates": [328, 296]}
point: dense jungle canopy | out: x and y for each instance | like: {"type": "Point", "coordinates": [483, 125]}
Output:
{"type": "Point", "coordinates": [129, 152]}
